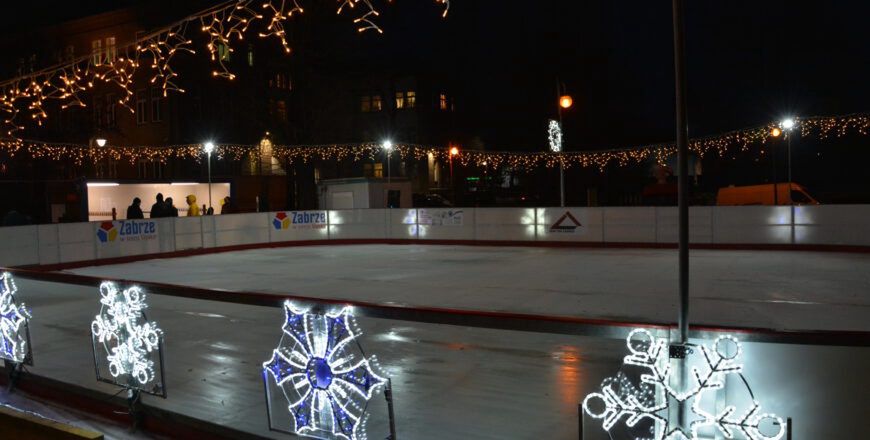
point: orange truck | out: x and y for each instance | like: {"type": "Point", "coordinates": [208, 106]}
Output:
{"type": "Point", "coordinates": [764, 195]}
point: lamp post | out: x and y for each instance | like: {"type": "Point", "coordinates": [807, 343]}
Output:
{"type": "Point", "coordinates": [565, 102]}
{"type": "Point", "coordinates": [208, 148]}
{"type": "Point", "coordinates": [388, 147]}
{"type": "Point", "coordinates": [787, 125]}
{"type": "Point", "coordinates": [454, 151]}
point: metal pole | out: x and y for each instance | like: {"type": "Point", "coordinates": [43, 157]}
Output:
{"type": "Point", "coordinates": [683, 165]}
{"type": "Point", "coordinates": [775, 191]}
{"type": "Point", "coordinates": [788, 141]}
{"type": "Point", "coordinates": [388, 166]}
{"type": "Point", "coordinates": [209, 180]}
{"type": "Point", "coordinates": [452, 185]}
{"type": "Point", "coordinates": [561, 127]}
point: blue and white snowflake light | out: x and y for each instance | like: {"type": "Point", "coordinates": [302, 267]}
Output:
{"type": "Point", "coordinates": [13, 323]}
{"type": "Point", "coordinates": [128, 343]}
{"type": "Point", "coordinates": [320, 369]}
{"type": "Point", "coordinates": [618, 399]}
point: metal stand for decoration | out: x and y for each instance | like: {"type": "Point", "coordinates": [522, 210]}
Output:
{"type": "Point", "coordinates": [321, 375]}
{"type": "Point", "coordinates": [131, 347]}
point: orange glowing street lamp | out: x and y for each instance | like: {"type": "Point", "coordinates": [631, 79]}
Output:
{"type": "Point", "coordinates": [454, 151]}
{"type": "Point", "coordinates": [565, 101]}
{"type": "Point", "coordinates": [776, 132]}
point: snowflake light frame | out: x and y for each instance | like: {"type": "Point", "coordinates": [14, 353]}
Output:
{"type": "Point", "coordinates": [326, 387]}
{"type": "Point", "coordinates": [14, 325]}
{"type": "Point", "coordinates": [131, 346]}
{"type": "Point", "coordinates": [645, 403]}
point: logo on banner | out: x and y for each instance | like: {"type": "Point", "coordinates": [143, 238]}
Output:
{"type": "Point", "coordinates": [441, 217]}
{"type": "Point", "coordinates": [567, 223]}
{"type": "Point", "coordinates": [107, 232]}
{"type": "Point", "coordinates": [299, 220]}
{"type": "Point", "coordinates": [281, 221]}
{"type": "Point", "coordinates": [124, 230]}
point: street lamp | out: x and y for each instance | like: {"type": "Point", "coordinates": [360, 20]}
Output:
{"type": "Point", "coordinates": [565, 102]}
{"type": "Point", "coordinates": [388, 147]}
{"type": "Point", "coordinates": [454, 151]}
{"type": "Point", "coordinates": [101, 142]}
{"type": "Point", "coordinates": [208, 148]}
{"type": "Point", "coordinates": [788, 124]}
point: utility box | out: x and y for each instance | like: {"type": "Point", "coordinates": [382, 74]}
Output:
{"type": "Point", "coordinates": [362, 193]}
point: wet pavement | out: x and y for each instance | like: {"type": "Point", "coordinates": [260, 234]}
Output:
{"type": "Point", "coordinates": [450, 382]}
{"type": "Point", "coordinates": [766, 289]}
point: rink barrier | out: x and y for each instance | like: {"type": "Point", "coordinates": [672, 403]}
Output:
{"type": "Point", "coordinates": [838, 228]}
{"type": "Point", "coordinates": [554, 324]}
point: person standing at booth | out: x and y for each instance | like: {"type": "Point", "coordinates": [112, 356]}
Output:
{"type": "Point", "coordinates": [192, 208]}
{"type": "Point", "coordinates": [135, 210]}
{"type": "Point", "coordinates": [158, 209]}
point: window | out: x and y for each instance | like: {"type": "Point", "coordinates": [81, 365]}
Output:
{"type": "Point", "coordinates": [377, 104]}
{"type": "Point", "coordinates": [442, 101]}
{"type": "Point", "coordinates": [69, 53]}
{"type": "Point", "coordinates": [110, 110]}
{"type": "Point", "coordinates": [111, 50]}
{"type": "Point", "coordinates": [141, 106]}
{"type": "Point", "coordinates": [281, 110]}
{"type": "Point", "coordinates": [400, 100]}
{"type": "Point", "coordinates": [250, 55]}
{"type": "Point", "coordinates": [223, 52]}
{"type": "Point", "coordinates": [410, 99]}
{"type": "Point", "coordinates": [156, 114]}
{"type": "Point", "coordinates": [98, 112]}
{"type": "Point", "coordinates": [365, 104]}
{"type": "Point", "coordinates": [379, 171]}
{"type": "Point", "coordinates": [97, 52]}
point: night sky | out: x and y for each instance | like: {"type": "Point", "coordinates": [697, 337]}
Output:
{"type": "Point", "coordinates": [749, 62]}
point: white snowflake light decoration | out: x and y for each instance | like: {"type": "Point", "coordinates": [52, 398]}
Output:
{"type": "Point", "coordinates": [128, 343]}
{"type": "Point", "coordinates": [323, 374]}
{"type": "Point", "coordinates": [14, 336]}
{"type": "Point", "coordinates": [554, 135]}
{"type": "Point", "coordinates": [618, 399]}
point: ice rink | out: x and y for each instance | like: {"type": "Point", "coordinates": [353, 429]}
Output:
{"type": "Point", "coordinates": [762, 289]}
{"type": "Point", "coordinates": [456, 382]}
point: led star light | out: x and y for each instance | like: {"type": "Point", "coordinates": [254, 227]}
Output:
{"type": "Point", "coordinates": [13, 323]}
{"type": "Point", "coordinates": [127, 341]}
{"type": "Point", "coordinates": [619, 399]}
{"type": "Point", "coordinates": [323, 374]}
{"type": "Point", "coordinates": [554, 134]}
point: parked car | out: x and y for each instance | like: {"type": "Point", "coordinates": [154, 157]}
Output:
{"type": "Point", "coordinates": [430, 201]}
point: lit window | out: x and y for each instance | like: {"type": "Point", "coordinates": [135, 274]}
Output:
{"type": "Point", "coordinates": [250, 56]}
{"type": "Point", "coordinates": [442, 101]}
{"type": "Point", "coordinates": [110, 110]}
{"type": "Point", "coordinates": [97, 52]}
{"type": "Point", "coordinates": [377, 104]}
{"type": "Point", "coordinates": [410, 99]}
{"type": "Point", "coordinates": [365, 104]}
{"type": "Point", "coordinates": [156, 94]}
{"type": "Point", "coordinates": [111, 50]}
{"type": "Point", "coordinates": [400, 100]}
{"type": "Point", "coordinates": [379, 171]}
{"type": "Point", "coordinates": [223, 52]}
{"type": "Point", "coordinates": [141, 106]}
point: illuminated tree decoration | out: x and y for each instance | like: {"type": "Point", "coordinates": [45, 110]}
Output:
{"type": "Point", "coordinates": [554, 134]}
{"type": "Point", "coordinates": [647, 405]}
{"type": "Point", "coordinates": [323, 373]}
{"type": "Point", "coordinates": [132, 346]}
{"type": "Point", "coordinates": [14, 331]}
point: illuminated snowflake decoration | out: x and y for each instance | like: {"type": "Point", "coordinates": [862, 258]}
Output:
{"type": "Point", "coordinates": [323, 374]}
{"type": "Point", "coordinates": [13, 323]}
{"type": "Point", "coordinates": [126, 339]}
{"type": "Point", "coordinates": [649, 401]}
{"type": "Point", "coordinates": [554, 134]}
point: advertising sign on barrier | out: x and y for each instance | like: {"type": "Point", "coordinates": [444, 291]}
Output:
{"type": "Point", "coordinates": [126, 230]}
{"type": "Point", "coordinates": [299, 220]}
{"type": "Point", "coordinates": [566, 224]}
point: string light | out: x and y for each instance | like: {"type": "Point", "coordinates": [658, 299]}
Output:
{"type": "Point", "coordinates": [636, 404]}
{"type": "Point", "coordinates": [554, 135]}
{"type": "Point", "coordinates": [316, 368]}
{"type": "Point", "coordinates": [222, 24]}
{"type": "Point", "coordinates": [14, 319]}
{"type": "Point", "coordinates": [126, 342]}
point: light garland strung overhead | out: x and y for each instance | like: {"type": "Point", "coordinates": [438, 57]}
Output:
{"type": "Point", "coordinates": [820, 127]}
{"type": "Point", "coordinates": [223, 24]}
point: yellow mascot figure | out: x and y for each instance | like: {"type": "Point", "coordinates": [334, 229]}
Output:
{"type": "Point", "coordinates": [192, 208]}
